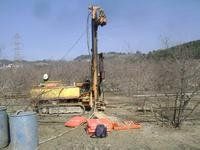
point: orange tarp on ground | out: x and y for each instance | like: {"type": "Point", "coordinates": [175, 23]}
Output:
{"type": "Point", "coordinates": [75, 121]}
{"type": "Point", "coordinates": [92, 124]}
{"type": "Point", "coordinates": [126, 125]}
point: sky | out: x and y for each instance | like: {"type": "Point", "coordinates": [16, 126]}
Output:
{"type": "Point", "coordinates": [48, 29]}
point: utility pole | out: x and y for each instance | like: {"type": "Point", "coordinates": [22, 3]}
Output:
{"type": "Point", "coordinates": [17, 47]}
{"type": "Point", "coordinates": [98, 18]}
{"type": "Point", "coordinates": [1, 52]}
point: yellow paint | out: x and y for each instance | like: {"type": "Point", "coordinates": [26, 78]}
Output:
{"type": "Point", "coordinates": [62, 92]}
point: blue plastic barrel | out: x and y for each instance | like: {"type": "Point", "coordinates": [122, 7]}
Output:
{"type": "Point", "coordinates": [4, 127]}
{"type": "Point", "coordinates": [23, 131]}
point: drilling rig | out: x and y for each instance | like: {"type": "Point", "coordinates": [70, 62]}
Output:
{"type": "Point", "coordinates": [53, 97]}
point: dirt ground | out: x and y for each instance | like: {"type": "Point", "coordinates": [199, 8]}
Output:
{"type": "Point", "coordinates": [150, 136]}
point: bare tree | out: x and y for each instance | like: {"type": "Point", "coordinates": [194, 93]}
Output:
{"type": "Point", "coordinates": [179, 74]}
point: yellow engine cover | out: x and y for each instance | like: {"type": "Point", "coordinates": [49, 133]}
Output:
{"type": "Point", "coordinates": [61, 92]}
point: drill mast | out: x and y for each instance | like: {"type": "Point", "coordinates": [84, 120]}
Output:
{"type": "Point", "coordinates": [98, 19]}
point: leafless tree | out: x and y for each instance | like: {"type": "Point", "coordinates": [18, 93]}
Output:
{"type": "Point", "coordinates": [179, 74]}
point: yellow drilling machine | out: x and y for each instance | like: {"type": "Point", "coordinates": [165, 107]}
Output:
{"type": "Point", "coordinates": [53, 97]}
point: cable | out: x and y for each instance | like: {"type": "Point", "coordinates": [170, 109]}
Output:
{"type": "Point", "coordinates": [63, 133]}
{"type": "Point", "coordinates": [88, 37]}
{"type": "Point", "coordinates": [80, 37]}
{"type": "Point", "coordinates": [73, 45]}
{"type": "Point", "coordinates": [88, 41]}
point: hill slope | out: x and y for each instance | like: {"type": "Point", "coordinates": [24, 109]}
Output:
{"type": "Point", "coordinates": [191, 49]}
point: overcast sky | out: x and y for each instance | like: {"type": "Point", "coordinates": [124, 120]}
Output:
{"type": "Point", "coordinates": [48, 28]}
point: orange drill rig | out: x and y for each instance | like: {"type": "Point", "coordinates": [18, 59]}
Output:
{"type": "Point", "coordinates": [52, 97]}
